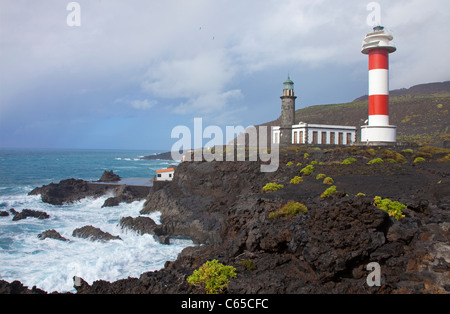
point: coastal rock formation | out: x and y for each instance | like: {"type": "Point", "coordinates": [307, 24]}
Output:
{"type": "Point", "coordinates": [16, 287]}
{"type": "Point", "coordinates": [145, 225]}
{"type": "Point", "coordinates": [109, 176]}
{"type": "Point", "coordinates": [221, 205]}
{"type": "Point", "coordinates": [25, 213]}
{"type": "Point", "coordinates": [126, 194]}
{"type": "Point", "coordinates": [69, 190]}
{"type": "Point", "coordinates": [326, 250]}
{"type": "Point", "coordinates": [94, 234]}
{"type": "Point", "coordinates": [51, 234]}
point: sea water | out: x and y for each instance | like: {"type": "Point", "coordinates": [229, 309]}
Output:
{"type": "Point", "coordinates": [51, 264]}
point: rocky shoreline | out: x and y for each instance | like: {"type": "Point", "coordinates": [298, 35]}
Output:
{"type": "Point", "coordinates": [221, 205]}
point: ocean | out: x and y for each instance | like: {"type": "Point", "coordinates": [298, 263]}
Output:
{"type": "Point", "coordinates": [51, 264]}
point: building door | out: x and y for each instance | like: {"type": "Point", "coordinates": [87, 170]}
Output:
{"type": "Point", "coordinates": [332, 138]}
{"type": "Point", "coordinates": [295, 137]}
{"type": "Point", "coordinates": [340, 138]}
{"type": "Point", "coordinates": [349, 138]}
{"type": "Point", "coordinates": [324, 138]}
{"type": "Point", "coordinates": [315, 136]}
{"type": "Point", "coordinates": [301, 137]}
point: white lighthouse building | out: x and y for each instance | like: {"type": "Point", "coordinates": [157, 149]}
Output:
{"type": "Point", "coordinates": [378, 45]}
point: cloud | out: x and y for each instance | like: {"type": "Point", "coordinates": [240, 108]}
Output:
{"type": "Point", "coordinates": [143, 104]}
{"type": "Point", "coordinates": [202, 80]}
{"type": "Point", "coordinates": [209, 103]}
{"type": "Point", "coordinates": [199, 57]}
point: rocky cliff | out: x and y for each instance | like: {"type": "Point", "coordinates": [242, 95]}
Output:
{"type": "Point", "coordinates": [326, 250]}
{"type": "Point", "coordinates": [221, 205]}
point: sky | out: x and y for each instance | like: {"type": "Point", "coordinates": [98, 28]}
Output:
{"type": "Point", "coordinates": [115, 74]}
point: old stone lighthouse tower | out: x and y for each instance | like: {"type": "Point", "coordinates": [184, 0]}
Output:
{"type": "Point", "coordinates": [287, 119]}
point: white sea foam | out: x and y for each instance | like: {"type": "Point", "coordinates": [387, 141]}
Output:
{"type": "Point", "coordinates": [51, 264]}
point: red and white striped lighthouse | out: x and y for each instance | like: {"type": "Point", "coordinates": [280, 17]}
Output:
{"type": "Point", "coordinates": [378, 45]}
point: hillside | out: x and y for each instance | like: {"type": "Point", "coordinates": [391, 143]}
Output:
{"type": "Point", "coordinates": [421, 113]}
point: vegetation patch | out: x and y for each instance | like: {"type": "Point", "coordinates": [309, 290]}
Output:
{"type": "Point", "coordinates": [307, 170]}
{"type": "Point", "coordinates": [434, 150]}
{"type": "Point", "coordinates": [248, 264]}
{"type": "Point", "coordinates": [272, 187]}
{"type": "Point", "coordinates": [408, 151]}
{"type": "Point", "coordinates": [348, 161]}
{"type": "Point", "coordinates": [321, 176]}
{"type": "Point", "coordinates": [329, 192]}
{"type": "Point", "coordinates": [393, 208]}
{"type": "Point", "coordinates": [290, 209]}
{"type": "Point", "coordinates": [289, 164]}
{"type": "Point", "coordinates": [360, 194]}
{"type": "Point", "coordinates": [375, 161]}
{"type": "Point", "coordinates": [444, 159]}
{"type": "Point", "coordinates": [212, 276]}
{"type": "Point", "coordinates": [296, 180]}
{"type": "Point", "coordinates": [328, 180]}
{"type": "Point", "coordinates": [419, 160]}
{"type": "Point", "coordinates": [397, 157]}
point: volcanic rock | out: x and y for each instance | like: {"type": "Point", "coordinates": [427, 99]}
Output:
{"type": "Point", "coordinates": [68, 191]}
{"type": "Point", "coordinates": [24, 214]}
{"type": "Point", "coordinates": [94, 234]}
{"type": "Point", "coordinates": [145, 225]}
{"type": "Point", "coordinates": [109, 176]}
{"type": "Point", "coordinates": [52, 234]}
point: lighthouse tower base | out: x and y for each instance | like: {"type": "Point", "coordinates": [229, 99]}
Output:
{"type": "Point", "coordinates": [378, 135]}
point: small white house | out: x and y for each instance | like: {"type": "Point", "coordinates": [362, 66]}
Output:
{"type": "Point", "coordinates": [165, 174]}
{"type": "Point", "coordinates": [304, 133]}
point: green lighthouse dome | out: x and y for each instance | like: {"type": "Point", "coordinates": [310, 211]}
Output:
{"type": "Point", "coordinates": [288, 84]}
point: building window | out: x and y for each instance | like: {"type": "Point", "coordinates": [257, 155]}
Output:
{"type": "Point", "coordinates": [341, 138]}
{"type": "Point", "coordinates": [170, 175]}
{"type": "Point", "coordinates": [315, 136]}
{"type": "Point", "coordinates": [295, 137]}
{"type": "Point", "coordinates": [324, 137]}
{"type": "Point", "coordinates": [301, 137]}
{"type": "Point", "coordinates": [159, 175]}
{"type": "Point", "coordinates": [332, 138]}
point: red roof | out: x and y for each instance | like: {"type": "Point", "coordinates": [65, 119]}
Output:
{"type": "Point", "coordinates": [165, 170]}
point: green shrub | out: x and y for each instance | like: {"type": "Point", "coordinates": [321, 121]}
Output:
{"type": "Point", "coordinates": [360, 194]}
{"type": "Point", "coordinates": [212, 276]}
{"type": "Point", "coordinates": [321, 176]}
{"type": "Point", "coordinates": [394, 209]}
{"type": "Point", "coordinates": [272, 187]}
{"type": "Point", "coordinates": [434, 150]}
{"type": "Point", "coordinates": [289, 164]}
{"type": "Point", "coordinates": [307, 170]}
{"type": "Point", "coordinates": [408, 151]}
{"type": "Point", "coordinates": [444, 159]}
{"type": "Point", "coordinates": [290, 209]}
{"type": "Point", "coordinates": [306, 155]}
{"type": "Point", "coordinates": [314, 162]}
{"type": "Point", "coordinates": [299, 164]}
{"type": "Point", "coordinates": [389, 154]}
{"type": "Point", "coordinates": [375, 161]}
{"type": "Point", "coordinates": [419, 159]}
{"type": "Point", "coordinates": [348, 161]}
{"type": "Point", "coordinates": [328, 180]}
{"type": "Point", "coordinates": [248, 264]}
{"type": "Point", "coordinates": [328, 192]}
{"type": "Point", "coordinates": [296, 180]}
